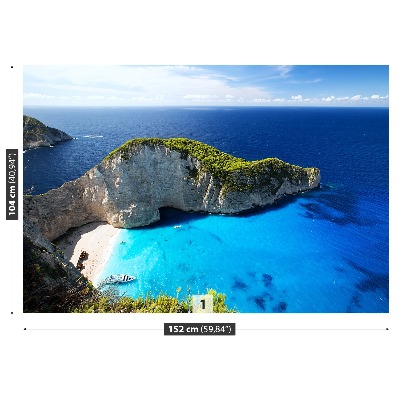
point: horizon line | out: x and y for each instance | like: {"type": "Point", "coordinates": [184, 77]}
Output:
{"type": "Point", "coordinates": [209, 106]}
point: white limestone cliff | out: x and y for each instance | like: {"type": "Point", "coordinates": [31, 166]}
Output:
{"type": "Point", "coordinates": [129, 191]}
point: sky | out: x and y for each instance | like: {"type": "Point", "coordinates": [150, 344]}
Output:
{"type": "Point", "coordinates": [206, 85]}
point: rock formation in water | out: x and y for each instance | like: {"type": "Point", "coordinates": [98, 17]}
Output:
{"type": "Point", "coordinates": [132, 183]}
{"type": "Point", "coordinates": [37, 134]}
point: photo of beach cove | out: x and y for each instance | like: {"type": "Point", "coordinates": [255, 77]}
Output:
{"type": "Point", "coordinates": [274, 209]}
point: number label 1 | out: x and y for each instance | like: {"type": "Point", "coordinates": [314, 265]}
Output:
{"type": "Point", "coordinates": [202, 303]}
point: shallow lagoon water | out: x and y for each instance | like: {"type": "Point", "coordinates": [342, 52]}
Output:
{"type": "Point", "coordinates": [274, 260]}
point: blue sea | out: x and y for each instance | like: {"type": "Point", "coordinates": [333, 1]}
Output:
{"type": "Point", "coordinates": [322, 251]}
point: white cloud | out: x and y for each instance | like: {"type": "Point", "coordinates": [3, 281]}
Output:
{"type": "Point", "coordinates": [37, 96]}
{"type": "Point", "coordinates": [145, 99]}
{"type": "Point", "coordinates": [175, 84]}
{"type": "Point", "coordinates": [284, 70]}
{"type": "Point", "coordinates": [200, 96]}
{"type": "Point", "coordinates": [166, 85]}
{"type": "Point", "coordinates": [297, 81]}
{"type": "Point", "coordinates": [262, 100]}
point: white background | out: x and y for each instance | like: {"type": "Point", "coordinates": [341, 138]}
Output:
{"type": "Point", "coordinates": [310, 356]}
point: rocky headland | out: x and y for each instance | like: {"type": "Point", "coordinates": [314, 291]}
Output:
{"type": "Point", "coordinates": [37, 134]}
{"type": "Point", "coordinates": [132, 183]}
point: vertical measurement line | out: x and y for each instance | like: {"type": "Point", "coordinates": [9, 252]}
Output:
{"type": "Point", "coordinates": [12, 184]}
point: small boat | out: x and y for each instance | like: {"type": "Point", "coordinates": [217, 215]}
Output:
{"type": "Point", "coordinates": [120, 278]}
{"type": "Point", "coordinates": [177, 226]}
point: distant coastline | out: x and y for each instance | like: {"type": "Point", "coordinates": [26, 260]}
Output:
{"type": "Point", "coordinates": [36, 134]}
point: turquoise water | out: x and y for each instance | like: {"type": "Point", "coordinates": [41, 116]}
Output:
{"type": "Point", "coordinates": [275, 260]}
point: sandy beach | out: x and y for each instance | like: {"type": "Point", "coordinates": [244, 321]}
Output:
{"type": "Point", "coordinates": [97, 239]}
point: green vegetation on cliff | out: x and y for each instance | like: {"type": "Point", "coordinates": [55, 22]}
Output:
{"type": "Point", "coordinates": [234, 174]}
{"type": "Point", "coordinates": [109, 301]}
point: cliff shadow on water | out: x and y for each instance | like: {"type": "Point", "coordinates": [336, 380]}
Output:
{"type": "Point", "coordinates": [170, 216]}
{"type": "Point", "coordinates": [279, 204]}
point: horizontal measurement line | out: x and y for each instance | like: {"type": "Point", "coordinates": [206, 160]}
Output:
{"type": "Point", "coordinates": [238, 329]}
{"type": "Point", "coordinates": [312, 329]}
{"type": "Point", "coordinates": [92, 329]}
